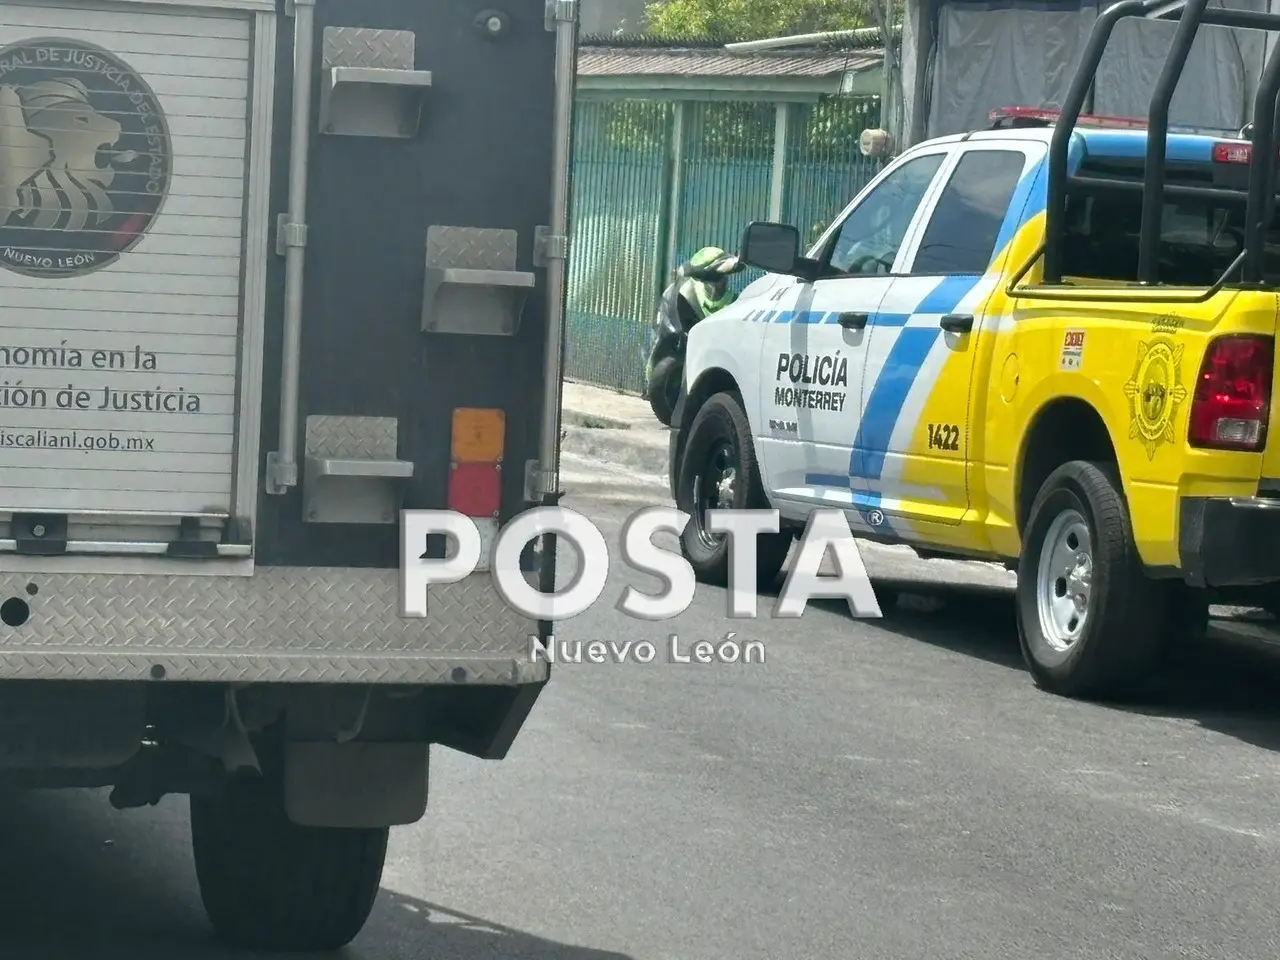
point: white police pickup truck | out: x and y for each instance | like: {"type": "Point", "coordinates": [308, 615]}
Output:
{"type": "Point", "coordinates": [962, 366]}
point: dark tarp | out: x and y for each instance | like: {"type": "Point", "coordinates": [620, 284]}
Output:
{"type": "Point", "coordinates": [994, 53]}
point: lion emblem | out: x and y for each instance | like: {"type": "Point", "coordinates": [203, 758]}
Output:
{"type": "Point", "coordinates": [50, 138]}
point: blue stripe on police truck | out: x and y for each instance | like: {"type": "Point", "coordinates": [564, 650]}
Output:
{"type": "Point", "coordinates": [898, 375]}
{"type": "Point", "coordinates": [889, 395]}
{"type": "Point", "coordinates": [906, 359]}
{"type": "Point", "coordinates": [810, 317]}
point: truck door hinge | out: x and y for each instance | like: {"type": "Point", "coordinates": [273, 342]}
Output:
{"type": "Point", "coordinates": [289, 234]}
{"type": "Point", "coordinates": [281, 476]}
{"type": "Point", "coordinates": [548, 246]}
{"type": "Point", "coordinates": [539, 484]}
{"type": "Point", "coordinates": [560, 11]}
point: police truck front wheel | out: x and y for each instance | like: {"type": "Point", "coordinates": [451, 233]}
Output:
{"type": "Point", "coordinates": [1090, 621]}
{"type": "Point", "coordinates": [269, 884]}
{"type": "Point", "coordinates": [719, 472]}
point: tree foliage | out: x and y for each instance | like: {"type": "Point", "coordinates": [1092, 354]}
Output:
{"type": "Point", "coordinates": [754, 19]}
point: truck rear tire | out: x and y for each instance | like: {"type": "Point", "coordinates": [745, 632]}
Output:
{"type": "Point", "coordinates": [719, 471]}
{"type": "Point", "coordinates": [1090, 622]}
{"type": "Point", "coordinates": [269, 884]}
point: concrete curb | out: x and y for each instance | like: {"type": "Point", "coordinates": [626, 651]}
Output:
{"type": "Point", "coordinates": [644, 451]}
{"type": "Point", "coordinates": [592, 421]}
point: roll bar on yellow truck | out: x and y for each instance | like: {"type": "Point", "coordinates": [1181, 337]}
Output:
{"type": "Point", "coordinates": [1048, 345]}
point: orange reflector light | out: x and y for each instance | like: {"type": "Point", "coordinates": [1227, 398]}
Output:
{"type": "Point", "coordinates": [475, 489]}
{"type": "Point", "coordinates": [478, 435]}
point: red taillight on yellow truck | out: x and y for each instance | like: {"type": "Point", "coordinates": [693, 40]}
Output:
{"type": "Point", "coordinates": [1232, 398]}
{"type": "Point", "coordinates": [476, 446]}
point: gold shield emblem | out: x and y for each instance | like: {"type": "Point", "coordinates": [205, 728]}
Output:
{"type": "Point", "coordinates": [1155, 392]}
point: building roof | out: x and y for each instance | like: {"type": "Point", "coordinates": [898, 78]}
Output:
{"type": "Point", "coordinates": [614, 62]}
{"type": "Point", "coordinates": [646, 57]}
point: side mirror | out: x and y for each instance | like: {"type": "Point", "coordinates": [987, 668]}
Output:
{"type": "Point", "coordinates": [772, 247]}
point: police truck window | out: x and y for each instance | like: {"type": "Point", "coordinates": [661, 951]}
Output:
{"type": "Point", "coordinates": [869, 239]}
{"type": "Point", "coordinates": [962, 232]}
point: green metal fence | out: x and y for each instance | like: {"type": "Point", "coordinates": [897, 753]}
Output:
{"type": "Point", "coordinates": [655, 180]}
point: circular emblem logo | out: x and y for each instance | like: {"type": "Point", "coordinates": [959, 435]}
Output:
{"type": "Point", "coordinates": [875, 518]}
{"type": "Point", "coordinates": [1155, 392]}
{"type": "Point", "coordinates": [85, 160]}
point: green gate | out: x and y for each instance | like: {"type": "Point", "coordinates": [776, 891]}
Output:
{"type": "Point", "coordinates": [655, 180]}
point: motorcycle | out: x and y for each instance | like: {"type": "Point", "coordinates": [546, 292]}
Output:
{"type": "Point", "coordinates": [699, 288]}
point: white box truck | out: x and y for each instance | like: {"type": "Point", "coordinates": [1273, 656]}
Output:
{"type": "Point", "coordinates": [272, 271]}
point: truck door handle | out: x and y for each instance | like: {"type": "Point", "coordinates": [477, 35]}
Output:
{"type": "Point", "coordinates": [957, 322]}
{"type": "Point", "coordinates": [854, 321]}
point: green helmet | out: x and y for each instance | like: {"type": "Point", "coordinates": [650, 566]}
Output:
{"type": "Point", "coordinates": [711, 295]}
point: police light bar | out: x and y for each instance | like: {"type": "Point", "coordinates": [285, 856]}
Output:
{"type": "Point", "coordinates": [1037, 117]}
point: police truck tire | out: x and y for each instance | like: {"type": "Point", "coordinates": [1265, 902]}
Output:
{"type": "Point", "coordinates": [1078, 543]}
{"type": "Point", "coordinates": [721, 425]}
{"type": "Point", "coordinates": [664, 389]}
{"type": "Point", "coordinates": [269, 884]}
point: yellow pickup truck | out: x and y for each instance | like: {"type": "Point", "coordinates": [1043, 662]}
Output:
{"type": "Point", "coordinates": [1050, 345]}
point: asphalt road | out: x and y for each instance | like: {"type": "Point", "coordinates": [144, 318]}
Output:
{"type": "Point", "coordinates": [876, 789]}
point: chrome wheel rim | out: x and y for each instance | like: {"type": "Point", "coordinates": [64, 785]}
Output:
{"type": "Point", "coordinates": [1064, 581]}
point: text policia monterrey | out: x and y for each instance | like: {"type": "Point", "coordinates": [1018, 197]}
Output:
{"type": "Point", "coordinates": [805, 372]}
{"type": "Point", "coordinates": [15, 394]}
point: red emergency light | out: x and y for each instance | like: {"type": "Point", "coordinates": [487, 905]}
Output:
{"type": "Point", "coordinates": [1238, 153]}
{"type": "Point", "coordinates": [1038, 117]}
{"type": "Point", "coordinates": [1232, 152]}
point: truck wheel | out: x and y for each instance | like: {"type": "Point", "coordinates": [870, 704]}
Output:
{"type": "Point", "coordinates": [1090, 622]}
{"type": "Point", "coordinates": [719, 472]}
{"type": "Point", "coordinates": [664, 389]}
{"type": "Point", "coordinates": [269, 884]}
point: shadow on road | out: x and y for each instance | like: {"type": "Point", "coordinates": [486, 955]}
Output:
{"type": "Point", "coordinates": [1227, 684]}
{"type": "Point", "coordinates": [444, 934]}
{"type": "Point", "coordinates": [85, 882]}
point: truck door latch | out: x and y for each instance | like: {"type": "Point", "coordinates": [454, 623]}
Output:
{"type": "Point", "coordinates": [289, 234]}
{"type": "Point", "coordinates": [548, 246]}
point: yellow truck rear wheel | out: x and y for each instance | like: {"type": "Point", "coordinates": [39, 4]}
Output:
{"type": "Point", "coordinates": [1090, 621]}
